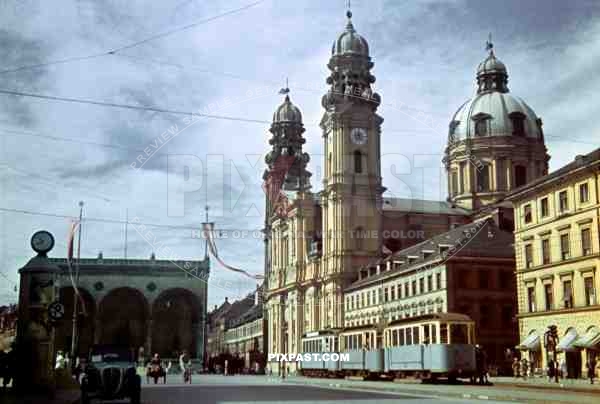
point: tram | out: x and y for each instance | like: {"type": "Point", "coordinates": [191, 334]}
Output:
{"type": "Point", "coordinates": [428, 346]}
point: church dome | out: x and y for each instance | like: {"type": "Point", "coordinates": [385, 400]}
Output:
{"type": "Point", "coordinates": [349, 42]}
{"type": "Point", "coordinates": [494, 111]}
{"type": "Point", "coordinates": [287, 112]}
{"type": "Point", "coordinates": [491, 64]}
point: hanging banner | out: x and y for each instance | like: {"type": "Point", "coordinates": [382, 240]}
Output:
{"type": "Point", "coordinates": [212, 247]}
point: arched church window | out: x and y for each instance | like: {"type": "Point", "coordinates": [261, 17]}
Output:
{"type": "Point", "coordinates": [520, 175]}
{"type": "Point", "coordinates": [483, 178]}
{"type": "Point", "coordinates": [481, 127]}
{"type": "Point", "coordinates": [357, 162]}
{"type": "Point", "coordinates": [358, 238]}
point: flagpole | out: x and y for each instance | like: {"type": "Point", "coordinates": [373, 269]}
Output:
{"type": "Point", "coordinates": [126, 226]}
{"type": "Point", "coordinates": [75, 292]}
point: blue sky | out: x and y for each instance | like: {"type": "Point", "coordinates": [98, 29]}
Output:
{"type": "Point", "coordinates": [425, 55]}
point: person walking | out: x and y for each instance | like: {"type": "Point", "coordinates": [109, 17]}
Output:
{"type": "Point", "coordinates": [551, 369]}
{"type": "Point", "coordinates": [591, 369]}
{"type": "Point", "coordinates": [516, 367]}
{"type": "Point", "coordinates": [524, 368]}
{"type": "Point", "coordinates": [563, 369]}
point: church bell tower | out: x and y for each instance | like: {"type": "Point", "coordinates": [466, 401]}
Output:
{"type": "Point", "coordinates": [352, 190]}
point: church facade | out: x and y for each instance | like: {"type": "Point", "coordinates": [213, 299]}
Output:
{"type": "Point", "coordinates": [317, 244]}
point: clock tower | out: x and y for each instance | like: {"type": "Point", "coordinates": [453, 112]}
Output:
{"type": "Point", "coordinates": [352, 190]}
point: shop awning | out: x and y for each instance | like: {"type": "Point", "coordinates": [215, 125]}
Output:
{"type": "Point", "coordinates": [567, 343]}
{"type": "Point", "coordinates": [590, 339]}
{"type": "Point", "coordinates": [530, 343]}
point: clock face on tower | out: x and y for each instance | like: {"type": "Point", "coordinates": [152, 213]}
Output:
{"type": "Point", "coordinates": [358, 136]}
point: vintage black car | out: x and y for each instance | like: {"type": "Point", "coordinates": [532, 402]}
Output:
{"type": "Point", "coordinates": [110, 375]}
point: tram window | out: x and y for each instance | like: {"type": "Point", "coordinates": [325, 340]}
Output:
{"type": "Point", "coordinates": [434, 334]}
{"type": "Point", "coordinates": [400, 337]}
{"type": "Point", "coordinates": [443, 333]}
{"type": "Point", "coordinates": [359, 346]}
{"type": "Point", "coordinates": [458, 334]}
{"type": "Point", "coordinates": [395, 341]}
{"type": "Point", "coordinates": [426, 337]}
{"type": "Point", "coordinates": [416, 335]}
{"type": "Point", "coordinates": [408, 336]}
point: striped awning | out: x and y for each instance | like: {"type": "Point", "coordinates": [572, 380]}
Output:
{"type": "Point", "coordinates": [530, 343]}
{"type": "Point", "coordinates": [567, 343]}
{"type": "Point", "coordinates": [590, 339]}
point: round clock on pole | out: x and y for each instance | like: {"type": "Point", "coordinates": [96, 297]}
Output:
{"type": "Point", "coordinates": [42, 241]}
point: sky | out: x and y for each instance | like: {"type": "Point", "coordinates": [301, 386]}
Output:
{"type": "Point", "coordinates": [229, 59]}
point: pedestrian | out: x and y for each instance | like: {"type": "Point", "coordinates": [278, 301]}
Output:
{"type": "Point", "coordinates": [226, 367]}
{"type": "Point", "coordinates": [563, 369]}
{"type": "Point", "coordinates": [524, 368]}
{"type": "Point", "coordinates": [591, 368]}
{"type": "Point", "coordinates": [551, 369]}
{"type": "Point", "coordinates": [516, 368]}
{"type": "Point", "coordinates": [478, 364]}
{"type": "Point", "coordinates": [60, 361]}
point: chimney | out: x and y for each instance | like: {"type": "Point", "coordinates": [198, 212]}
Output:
{"type": "Point", "coordinates": [226, 300]}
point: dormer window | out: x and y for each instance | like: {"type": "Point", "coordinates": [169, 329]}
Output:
{"type": "Point", "coordinates": [481, 124]}
{"type": "Point", "coordinates": [518, 123]}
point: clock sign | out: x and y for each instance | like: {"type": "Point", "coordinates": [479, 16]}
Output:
{"type": "Point", "coordinates": [42, 241]}
{"type": "Point", "coordinates": [359, 136]}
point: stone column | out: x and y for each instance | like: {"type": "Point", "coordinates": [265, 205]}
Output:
{"type": "Point", "coordinates": [509, 174]}
{"type": "Point", "coordinates": [148, 343]}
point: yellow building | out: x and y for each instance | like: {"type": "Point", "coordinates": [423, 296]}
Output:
{"type": "Point", "coordinates": [557, 257]}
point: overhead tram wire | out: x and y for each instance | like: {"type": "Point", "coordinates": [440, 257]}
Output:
{"type": "Point", "coordinates": [131, 45]}
{"type": "Point", "coordinates": [128, 106]}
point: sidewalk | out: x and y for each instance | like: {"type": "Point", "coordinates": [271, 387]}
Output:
{"type": "Point", "coordinates": [578, 385]}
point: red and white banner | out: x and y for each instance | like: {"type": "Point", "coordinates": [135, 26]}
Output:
{"type": "Point", "coordinates": [212, 247]}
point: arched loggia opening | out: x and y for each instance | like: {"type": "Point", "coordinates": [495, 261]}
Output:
{"type": "Point", "coordinates": [123, 315]}
{"type": "Point", "coordinates": [86, 308]}
{"type": "Point", "coordinates": [176, 316]}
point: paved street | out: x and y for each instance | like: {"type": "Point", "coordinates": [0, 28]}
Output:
{"type": "Point", "coordinates": [263, 389]}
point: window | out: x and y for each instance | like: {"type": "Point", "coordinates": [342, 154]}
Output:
{"type": "Point", "coordinates": [520, 176]}
{"type": "Point", "coordinates": [565, 246]}
{"type": "Point", "coordinates": [385, 295]}
{"type": "Point", "coordinates": [481, 127]}
{"type": "Point", "coordinates": [406, 291]}
{"type": "Point", "coordinates": [484, 315]}
{"type": "Point", "coordinates": [443, 333]}
{"type": "Point", "coordinates": [568, 294]}
{"type": "Point", "coordinates": [358, 238]}
{"type": "Point", "coordinates": [563, 201]}
{"type": "Point", "coordinates": [429, 283]}
{"type": "Point", "coordinates": [408, 336]}
{"type": "Point", "coordinates": [518, 124]}
{"type": "Point", "coordinates": [422, 285]}
{"type": "Point", "coordinates": [393, 292]}
{"type": "Point", "coordinates": [531, 298]}
{"type": "Point", "coordinates": [463, 175]}
{"type": "Point", "coordinates": [545, 251]}
{"type": "Point", "coordinates": [527, 213]}
{"type": "Point", "coordinates": [586, 241]}
{"type": "Point", "coordinates": [357, 162]}
{"type": "Point", "coordinates": [484, 280]}
{"type": "Point", "coordinates": [459, 334]}
{"type": "Point", "coordinates": [544, 207]}
{"type": "Point", "coordinates": [454, 179]}
{"type": "Point", "coordinates": [416, 335]}
{"type": "Point", "coordinates": [590, 293]}
{"type": "Point", "coordinates": [414, 288]}
{"type": "Point", "coordinates": [548, 296]}
{"type": "Point", "coordinates": [438, 280]}
{"type": "Point", "coordinates": [483, 178]}
{"type": "Point", "coordinates": [528, 255]}
{"type": "Point", "coordinates": [584, 194]}
{"type": "Point", "coordinates": [507, 316]}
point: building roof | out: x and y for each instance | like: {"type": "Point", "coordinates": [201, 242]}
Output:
{"type": "Point", "coordinates": [580, 161]}
{"type": "Point", "coordinates": [350, 42]}
{"type": "Point", "coordinates": [478, 239]}
{"type": "Point", "coordinates": [135, 265]}
{"type": "Point", "coordinates": [423, 206]}
{"type": "Point", "coordinates": [449, 317]}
